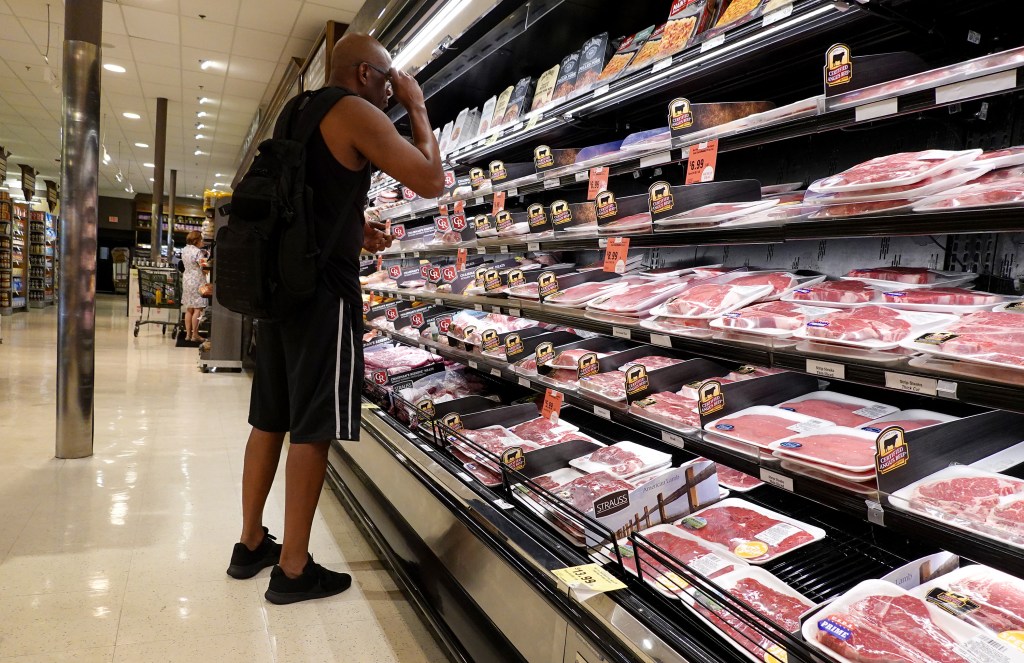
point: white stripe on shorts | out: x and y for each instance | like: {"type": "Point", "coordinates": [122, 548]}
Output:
{"type": "Point", "coordinates": [337, 372]}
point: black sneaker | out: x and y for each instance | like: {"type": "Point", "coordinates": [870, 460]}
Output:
{"type": "Point", "coordinates": [316, 582]}
{"type": "Point", "coordinates": [246, 563]}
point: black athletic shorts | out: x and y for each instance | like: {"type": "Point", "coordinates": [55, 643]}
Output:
{"type": "Point", "coordinates": [309, 372]}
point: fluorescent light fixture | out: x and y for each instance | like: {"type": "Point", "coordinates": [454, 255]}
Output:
{"type": "Point", "coordinates": [202, 114]}
{"type": "Point", "coordinates": [200, 136]}
{"type": "Point", "coordinates": [152, 180]}
{"type": "Point", "coordinates": [120, 176]}
{"type": "Point", "coordinates": [149, 165]}
{"type": "Point", "coordinates": [218, 174]}
{"type": "Point", "coordinates": [142, 145]}
{"type": "Point", "coordinates": [427, 35]}
{"type": "Point", "coordinates": [198, 153]}
{"type": "Point", "coordinates": [205, 100]}
{"type": "Point", "coordinates": [200, 126]}
{"type": "Point", "coordinates": [106, 155]}
{"type": "Point", "coordinates": [131, 116]}
{"type": "Point", "coordinates": [116, 68]}
{"type": "Point", "coordinates": [206, 64]}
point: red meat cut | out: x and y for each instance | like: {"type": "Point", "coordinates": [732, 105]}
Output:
{"type": "Point", "coordinates": [943, 297]}
{"type": "Point", "coordinates": [621, 462]}
{"type": "Point", "coordinates": [783, 609]}
{"type": "Point", "coordinates": [732, 526]}
{"type": "Point", "coordinates": [580, 292]}
{"type": "Point", "coordinates": [1002, 603]}
{"type": "Point", "coordinates": [867, 323]}
{"type": "Point", "coordinates": [856, 209]}
{"type": "Point", "coordinates": [668, 408]}
{"type": "Point", "coordinates": [546, 482]}
{"type": "Point", "coordinates": [897, 274]}
{"type": "Point", "coordinates": [855, 452]}
{"type": "Point", "coordinates": [760, 429]}
{"type": "Point", "coordinates": [636, 297]}
{"type": "Point", "coordinates": [982, 197]}
{"type": "Point", "coordinates": [884, 169]}
{"type": "Point", "coordinates": [841, 414]}
{"type": "Point", "coordinates": [484, 475]}
{"type": "Point", "coordinates": [610, 385]}
{"type": "Point", "coordinates": [990, 335]}
{"type": "Point", "coordinates": [585, 490]}
{"type": "Point", "coordinates": [888, 629]}
{"type": "Point", "coordinates": [681, 549]}
{"type": "Point", "coordinates": [570, 358]}
{"type": "Point", "coordinates": [540, 431]}
{"type": "Point", "coordinates": [1008, 519]}
{"type": "Point", "coordinates": [779, 281]}
{"type": "Point", "coordinates": [731, 478]}
{"type": "Point", "coordinates": [842, 292]}
{"type": "Point", "coordinates": [703, 300]}
{"type": "Point", "coordinates": [401, 356]}
{"type": "Point", "coordinates": [651, 362]}
{"type": "Point", "coordinates": [634, 222]}
{"type": "Point", "coordinates": [973, 498]}
{"type": "Point", "coordinates": [769, 315]}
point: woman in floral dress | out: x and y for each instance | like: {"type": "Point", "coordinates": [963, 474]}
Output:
{"type": "Point", "coordinates": [194, 259]}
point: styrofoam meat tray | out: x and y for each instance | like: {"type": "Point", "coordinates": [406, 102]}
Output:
{"type": "Point", "coordinates": [652, 460]}
{"type": "Point", "coordinates": [920, 323]}
{"type": "Point", "coordinates": [868, 410]}
{"type": "Point", "coordinates": [788, 449]}
{"type": "Point", "coordinates": [944, 161]}
{"type": "Point", "coordinates": [715, 213]}
{"type": "Point", "coordinates": [801, 424]}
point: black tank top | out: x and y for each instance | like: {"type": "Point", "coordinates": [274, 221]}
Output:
{"type": "Point", "coordinates": [333, 184]}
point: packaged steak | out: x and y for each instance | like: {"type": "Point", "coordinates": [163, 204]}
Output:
{"type": "Point", "coordinates": [873, 327]}
{"type": "Point", "coordinates": [566, 80]}
{"type": "Point", "coordinates": [624, 54]}
{"type": "Point", "coordinates": [650, 362]}
{"type": "Point", "coordinates": [988, 337]}
{"type": "Point", "coordinates": [593, 57]}
{"type": "Point", "coordinates": [610, 385]}
{"type": "Point", "coordinates": [994, 600]}
{"type": "Point", "coordinates": [775, 318]}
{"type": "Point", "coordinates": [760, 425]}
{"type": "Point", "coordinates": [899, 278]}
{"type": "Point", "coordinates": [973, 197]}
{"type": "Point", "coordinates": [895, 170]}
{"type": "Point", "coordinates": [520, 100]}
{"type": "Point", "coordinates": [908, 420]}
{"type": "Point", "coordinates": [699, 327]}
{"type": "Point", "coordinates": [851, 449]}
{"type": "Point", "coordinates": [715, 213]}
{"type": "Point", "coordinates": [582, 294]}
{"type": "Point", "coordinates": [1010, 156]}
{"type": "Point", "coordinates": [750, 531]}
{"type": "Point", "coordinates": [649, 52]}
{"type": "Point", "coordinates": [623, 460]}
{"type": "Point", "coordinates": [545, 88]}
{"type": "Point", "coordinates": [568, 358]}
{"type": "Point", "coordinates": [638, 297]}
{"type": "Point", "coordinates": [841, 294]}
{"type": "Point", "coordinates": [929, 186]}
{"type": "Point", "coordinates": [669, 409]}
{"type": "Point", "coordinates": [686, 19]}
{"type": "Point", "coordinates": [840, 409]}
{"type": "Point", "coordinates": [862, 209]}
{"type": "Point", "coordinates": [944, 300]}
{"type": "Point", "coordinates": [734, 479]}
{"type": "Point", "coordinates": [710, 300]}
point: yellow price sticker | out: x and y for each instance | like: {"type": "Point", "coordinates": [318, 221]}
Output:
{"type": "Point", "coordinates": [751, 549]}
{"type": "Point", "coordinates": [1015, 638]}
{"type": "Point", "coordinates": [589, 576]}
{"type": "Point", "coordinates": [776, 654]}
{"type": "Point", "coordinates": [673, 582]}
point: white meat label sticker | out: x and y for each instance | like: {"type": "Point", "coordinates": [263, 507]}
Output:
{"type": "Point", "coordinates": [709, 564]}
{"type": "Point", "coordinates": [875, 411]}
{"type": "Point", "coordinates": [810, 425]}
{"type": "Point", "coordinates": [984, 649]}
{"type": "Point", "coordinates": [777, 533]}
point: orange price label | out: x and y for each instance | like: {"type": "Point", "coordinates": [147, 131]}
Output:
{"type": "Point", "coordinates": [499, 202]}
{"type": "Point", "coordinates": [615, 255]}
{"type": "Point", "coordinates": [598, 181]}
{"type": "Point", "coordinates": [552, 405]}
{"type": "Point", "coordinates": [700, 165]}
{"type": "Point", "coordinates": [460, 261]}
{"type": "Point", "coordinates": [460, 206]}
{"type": "Point", "coordinates": [442, 210]}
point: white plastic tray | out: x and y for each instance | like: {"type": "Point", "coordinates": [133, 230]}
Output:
{"type": "Point", "coordinates": [942, 280]}
{"type": "Point", "coordinates": [944, 161]}
{"type": "Point", "coordinates": [785, 449]}
{"type": "Point", "coordinates": [747, 295]}
{"type": "Point", "coordinates": [870, 410]}
{"type": "Point", "coordinates": [652, 460]}
{"type": "Point", "coordinates": [920, 323]}
{"type": "Point", "coordinates": [801, 423]}
{"type": "Point", "coordinates": [715, 213]}
{"type": "Point", "coordinates": [958, 309]}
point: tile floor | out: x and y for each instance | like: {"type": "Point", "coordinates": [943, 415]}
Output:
{"type": "Point", "coordinates": [121, 556]}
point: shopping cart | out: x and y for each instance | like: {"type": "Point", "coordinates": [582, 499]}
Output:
{"type": "Point", "coordinates": [159, 288]}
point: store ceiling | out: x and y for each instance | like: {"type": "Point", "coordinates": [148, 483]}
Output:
{"type": "Point", "coordinates": [161, 44]}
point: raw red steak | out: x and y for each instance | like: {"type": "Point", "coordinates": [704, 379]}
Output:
{"type": "Point", "coordinates": [981, 197]}
{"type": "Point", "coordinates": [703, 300]}
{"type": "Point", "coordinates": [651, 362]}
{"type": "Point", "coordinates": [1002, 603]}
{"type": "Point", "coordinates": [731, 478]}
{"type": "Point", "coordinates": [735, 526]}
{"type": "Point", "coordinates": [580, 292]}
{"type": "Point", "coordinates": [484, 475]}
{"type": "Point", "coordinates": [857, 209]}
{"type": "Point", "coordinates": [769, 315]}
{"type": "Point", "coordinates": [882, 170]}
{"type": "Point", "coordinates": [841, 414]}
{"type": "Point", "coordinates": [496, 439]}
{"type": "Point", "coordinates": [668, 408]}
{"type": "Point", "coordinates": [401, 356]}
{"type": "Point", "coordinates": [843, 292]}
{"type": "Point", "coordinates": [541, 426]}
{"type": "Point", "coordinates": [886, 629]}
{"type": "Point", "coordinates": [620, 462]}
{"type": "Point", "coordinates": [848, 450]}
{"type": "Point", "coordinates": [584, 491]}
{"type": "Point", "coordinates": [635, 297]}
{"type": "Point", "coordinates": [610, 385]}
{"type": "Point", "coordinates": [779, 281]}
{"type": "Point", "coordinates": [689, 552]}
{"type": "Point", "coordinates": [783, 609]}
{"type": "Point", "coordinates": [971, 497]}
{"type": "Point", "coordinates": [867, 323]}
{"type": "Point", "coordinates": [756, 428]}
{"type": "Point", "coordinates": [1008, 519]}
{"type": "Point", "coordinates": [897, 274]}
{"type": "Point", "coordinates": [546, 482]}
{"type": "Point", "coordinates": [943, 297]}
{"type": "Point", "coordinates": [570, 358]}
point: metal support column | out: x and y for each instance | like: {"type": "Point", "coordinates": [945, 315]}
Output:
{"type": "Point", "coordinates": [171, 191]}
{"type": "Point", "coordinates": [158, 179]}
{"type": "Point", "coordinates": [79, 205]}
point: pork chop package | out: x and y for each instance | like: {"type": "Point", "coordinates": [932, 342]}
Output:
{"type": "Point", "coordinates": [873, 327]}
{"type": "Point", "coordinates": [902, 278]}
{"type": "Point", "coordinates": [750, 531]}
{"type": "Point", "coordinates": [714, 214]}
{"type": "Point", "coordinates": [895, 170]}
{"type": "Point", "coordinates": [992, 337]}
{"type": "Point", "coordinates": [545, 433]}
{"type": "Point", "coordinates": [775, 319]}
{"type": "Point", "coordinates": [761, 425]}
{"type": "Point", "coordinates": [849, 449]}
{"type": "Point", "coordinates": [970, 499]}
{"type": "Point", "coordinates": [669, 409]}
{"type": "Point", "coordinates": [710, 300]}
{"type": "Point", "coordinates": [639, 297]}
{"type": "Point", "coordinates": [837, 408]}
{"type": "Point", "coordinates": [763, 592]}
{"type": "Point", "coordinates": [879, 621]}
{"type": "Point", "coordinates": [584, 293]}
{"type": "Point", "coordinates": [995, 600]}
{"type": "Point", "coordinates": [908, 420]}
{"type": "Point", "coordinates": [929, 186]}
{"type": "Point", "coordinates": [838, 294]}
{"type": "Point", "coordinates": [735, 480]}
{"type": "Point", "coordinates": [945, 300]}
{"type": "Point", "coordinates": [1001, 192]}
{"type": "Point", "coordinates": [623, 460]}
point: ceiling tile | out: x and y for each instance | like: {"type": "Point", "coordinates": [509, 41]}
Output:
{"type": "Point", "coordinates": [154, 52]}
{"type": "Point", "coordinates": [223, 11]}
{"type": "Point", "coordinates": [210, 36]}
{"type": "Point", "coordinates": [242, 88]}
{"type": "Point", "coordinates": [313, 18]}
{"type": "Point", "coordinates": [166, 6]}
{"type": "Point", "coordinates": [157, 74]}
{"type": "Point", "coordinates": [148, 24]}
{"type": "Point", "coordinates": [116, 44]}
{"type": "Point", "coordinates": [278, 16]}
{"type": "Point", "coordinates": [250, 69]}
{"type": "Point", "coordinates": [112, 20]}
{"type": "Point", "coordinates": [258, 44]}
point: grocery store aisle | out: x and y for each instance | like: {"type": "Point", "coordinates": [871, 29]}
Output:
{"type": "Point", "coordinates": [121, 557]}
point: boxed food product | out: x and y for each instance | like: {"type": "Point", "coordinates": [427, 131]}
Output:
{"type": "Point", "coordinates": [737, 10]}
{"type": "Point", "coordinates": [519, 101]}
{"type": "Point", "coordinates": [486, 117]}
{"type": "Point", "coordinates": [594, 56]}
{"type": "Point", "coordinates": [686, 19]}
{"type": "Point", "coordinates": [500, 106]}
{"type": "Point", "coordinates": [545, 88]}
{"type": "Point", "coordinates": [566, 80]}
{"type": "Point", "coordinates": [624, 54]}
{"type": "Point", "coordinates": [649, 52]}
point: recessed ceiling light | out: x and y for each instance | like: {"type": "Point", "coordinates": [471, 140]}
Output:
{"type": "Point", "coordinates": [200, 136]}
{"type": "Point", "coordinates": [206, 64]}
{"type": "Point", "coordinates": [116, 68]}
{"type": "Point", "coordinates": [149, 165]}
{"type": "Point", "coordinates": [205, 100]}
{"type": "Point", "coordinates": [151, 179]}
{"type": "Point", "coordinates": [202, 114]}
{"type": "Point", "coordinates": [218, 174]}
{"type": "Point", "coordinates": [198, 153]}
{"type": "Point", "coordinates": [142, 145]}
{"type": "Point", "coordinates": [200, 126]}
{"type": "Point", "coordinates": [131, 116]}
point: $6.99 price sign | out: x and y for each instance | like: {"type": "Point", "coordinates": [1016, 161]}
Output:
{"type": "Point", "coordinates": [700, 165]}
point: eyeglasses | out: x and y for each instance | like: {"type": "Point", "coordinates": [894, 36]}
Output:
{"type": "Point", "coordinates": [383, 72]}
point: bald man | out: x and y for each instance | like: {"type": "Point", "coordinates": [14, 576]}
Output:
{"type": "Point", "coordinates": [309, 368]}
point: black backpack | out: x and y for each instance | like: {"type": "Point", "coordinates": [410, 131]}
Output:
{"type": "Point", "coordinates": [267, 258]}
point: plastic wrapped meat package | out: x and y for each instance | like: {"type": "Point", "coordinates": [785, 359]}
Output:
{"type": "Point", "coordinates": [999, 598]}
{"type": "Point", "coordinates": [710, 300]}
{"type": "Point", "coordinates": [839, 409]}
{"type": "Point", "coordinates": [699, 327]}
{"type": "Point", "coordinates": [493, 439]}
{"type": "Point", "coordinates": [715, 213]}
{"type": "Point", "coordinates": [569, 359]}
{"type": "Point", "coordinates": [894, 170]}
{"type": "Point", "coordinates": [850, 450]}
{"type": "Point", "coordinates": [863, 209]}
{"type": "Point", "coordinates": [669, 409]}
{"type": "Point", "coordinates": [1008, 192]}
{"type": "Point", "coordinates": [609, 386]}
{"type": "Point", "coordinates": [901, 278]}
{"type": "Point", "coordinates": [584, 293]}
{"type": "Point", "coordinates": [651, 362]}
{"type": "Point", "coordinates": [992, 337]}
{"type": "Point", "coordinates": [873, 327]}
{"type": "Point", "coordinates": [443, 386]}
{"type": "Point", "coordinates": [945, 300]}
{"type": "Point", "coordinates": [734, 479]}
{"type": "Point", "coordinates": [778, 319]}
{"type": "Point", "coordinates": [545, 433]}
{"type": "Point", "coordinates": [908, 420]}
{"type": "Point", "coordinates": [637, 298]}
{"type": "Point", "coordinates": [839, 294]}
{"type": "Point", "coordinates": [397, 358]}
{"type": "Point", "coordinates": [750, 531]}
{"type": "Point", "coordinates": [631, 225]}
{"type": "Point", "coordinates": [622, 460]}
{"type": "Point", "coordinates": [761, 425]}
{"type": "Point", "coordinates": [974, 500]}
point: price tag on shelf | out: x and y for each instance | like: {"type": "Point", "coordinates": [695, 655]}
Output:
{"type": "Point", "coordinates": [460, 260]}
{"type": "Point", "coordinates": [915, 384]}
{"type": "Point", "coordinates": [478, 201]}
{"type": "Point", "coordinates": [875, 110]}
{"type": "Point", "coordinates": [656, 159]}
{"type": "Point", "coordinates": [439, 301]}
{"type": "Point", "coordinates": [712, 43]}
{"type": "Point", "coordinates": [499, 202]}
{"type": "Point", "coordinates": [478, 307]}
{"type": "Point", "coordinates": [496, 372]}
{"type": "Point", "coordinates": [601, 91]}
{"type": "Point", "coordinates": [777, 480]}
{"type": "Point", "coordinates": [460, 206]}
{"type": "Point", "coordinates": [415, 254]}
{"type": "Point", "coordinates": [503, 248]}
{"type": "Point", "coordinates": [622, 332]}
{"type": "Point", "coordinates": [661, 65]}
{"type": "Point", "coordinates": [598, 181]}
{"type": "Point", "coordinates": [502, 504]}
{"type": "Point", "coordinates": [426, 447]}
{"type": "Point", "coordinates": [513, 192]}
{"type": "Point", "coordinates": [515, 313]}
{"type": "Point", "coordinates": [533, 246]}
{"type": "Point", "coordinates": [662, 340]}
{"type": "Point", "coordinates": [465, 477]}
{"type": "Point", "coordinates": [615, 255]}
{"type": "Point", "coordinates": [517, 126]}
{"type": "Point", "coordinates": [777, 15]}
{"type": "Point", "coordinates": [495, 309]}
{"type": "Point", "coordinates": [602, 243]}
{"type": "Point", "coordinates": [524, 382]}
{"type": "Point", "coordinates": [552, 183]}
{"type": "Point", "coordinates": [582, 176]}
{"type": "Point", "coordinates": [532, 122]}
{"type": "Point", "coordinates": [552, 404]}
{"type": "Point", "coordinates": [480, 250]}
{"type": "Point", "coordinates": [590, 577]}
{"type": "Point", "coordinates": [604, 413]}
{"type": "Point", "coordinates": [700, 166]}
{"type": "Point", "coordinates": [826, 369]}
{"type": "Point", "coordinates": [473, 364]}
{"type": "Point", "coordinates": [673, 439]}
